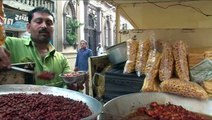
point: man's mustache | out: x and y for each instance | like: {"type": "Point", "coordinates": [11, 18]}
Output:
{"type": "Point", "coordinates": [43, 31]}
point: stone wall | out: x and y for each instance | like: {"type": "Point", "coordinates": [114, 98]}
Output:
{"type": "Point", "coordinates": [71, 57]}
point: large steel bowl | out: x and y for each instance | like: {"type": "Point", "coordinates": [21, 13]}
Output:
{"type": "Point", "coordinates": [119, 107]}
{"type": "Point", "coordinates": [117, 53]}
{"type": "Point", "coordinates": [94, 105]}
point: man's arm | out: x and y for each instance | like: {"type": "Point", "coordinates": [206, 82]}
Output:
{"type": "Point", "coordinates": [67, 67]}
{"type": "Point", "coordinates": [4, 58]}
{"type": "Point", "coordinates": [76, 63]}
{"type": "Point", "coordinates": [90, 53]}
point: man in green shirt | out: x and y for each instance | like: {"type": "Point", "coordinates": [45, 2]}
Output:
{"type": "Point", "coordinates": [48, 62]}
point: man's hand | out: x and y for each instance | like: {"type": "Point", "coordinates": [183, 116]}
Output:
{"type": "Point", "coordinates": [76, 69]}
{"type": "Point", "coordinates": [45, 75]}
{"type": "Point", "coordinates": [4, 58]}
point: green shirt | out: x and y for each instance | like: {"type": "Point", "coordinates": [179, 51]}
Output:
{"type": "Point", "coordinates": [23, 48]}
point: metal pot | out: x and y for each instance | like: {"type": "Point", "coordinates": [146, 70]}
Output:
{"type": "Point", "coordinates": [117, 53]}
{"type": "Point", "coordinates": [94, 105]}
{"type": "Point", "coordinates": [119, 107]}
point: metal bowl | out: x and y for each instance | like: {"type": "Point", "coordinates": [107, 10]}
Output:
{"type": "Point", "coordinates": [119, 107]}
{"type": "Point", "coordinates": [80, 79]}
{"type": "Point", "coordinates": [94, 105]}
{"type": "Point", "coordinates": [117, 53]}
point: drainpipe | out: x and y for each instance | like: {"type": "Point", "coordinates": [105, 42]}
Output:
{"type": "Point", "coordinates": [118, 40]}
{"type": "Point", "coordinates": [98, 32]}
{"type": "Point", "coordinates": [86, 29]}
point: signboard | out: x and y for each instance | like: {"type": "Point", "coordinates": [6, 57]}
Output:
{"type": "Point", "coordinates": [15, 20]}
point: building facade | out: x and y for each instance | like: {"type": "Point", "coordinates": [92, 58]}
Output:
{"type": "Point", "coordinates": [97, 19]}
{"type": "Point", "coordinates": [99, 26]}
{"type": "Point", "coordinates": [15, 18]}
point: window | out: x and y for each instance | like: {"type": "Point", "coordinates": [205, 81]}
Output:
{"type": "Point", "coordinates": [69, 12]}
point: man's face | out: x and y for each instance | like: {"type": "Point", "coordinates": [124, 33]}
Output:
{"type": "Point", "coordinates": [83, 44]}
{"type": "Point", "coordinates": [41, 27]}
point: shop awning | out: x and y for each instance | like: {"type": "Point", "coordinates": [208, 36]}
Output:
{"type": "Point", "coordinates": [129, 9]}
{"type": "Point", "coordinates": [162, 14]}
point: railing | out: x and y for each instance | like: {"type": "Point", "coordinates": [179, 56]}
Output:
{"type": "Point", "coordinates": [34, 3]}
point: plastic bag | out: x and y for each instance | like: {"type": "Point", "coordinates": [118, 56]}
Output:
{"type": "Point", "coordinates": [184, 88]}
{"type": "Point", "coordinates": [202, 71]}
{"type": "Point", "coordinates": [181, 61]}
{"type": "Point", "coordinates": [167, 62]}
{"type": "Point", "coordinates": [207, 85]}
{"type": "Point", "coordinates": [151, 82]}
{"type": "Point", "coordinates": [154, 55]}
{"type": "Point", "coordinates": [142, 56]}
{"type": "Point", "coordinates": [132, 48]}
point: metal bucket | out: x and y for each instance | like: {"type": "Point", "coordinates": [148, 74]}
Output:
{"type": "Point", "coordinates": [94, 105]}
{"type": "Point", "coordinates": [117, 53]}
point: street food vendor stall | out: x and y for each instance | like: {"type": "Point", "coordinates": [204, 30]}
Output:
{"type": "Point", "coordinates": [166, 96]}
{"type": "Point", "coordinates": [189, 21]}
{"type": "Point", "coordinates": [186, 26]}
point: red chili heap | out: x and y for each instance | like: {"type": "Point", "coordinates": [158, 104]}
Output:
{"type": "Point", "coordinates": [41, 107]}
{"type": "Point", "coordinates": [163, 112]}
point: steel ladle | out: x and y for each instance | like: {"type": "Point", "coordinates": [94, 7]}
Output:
{"type": "Point", "coordinates": [22, 69]}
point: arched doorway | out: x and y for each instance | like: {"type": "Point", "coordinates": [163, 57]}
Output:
{"type": "Point", "coordinates": [69, 13]}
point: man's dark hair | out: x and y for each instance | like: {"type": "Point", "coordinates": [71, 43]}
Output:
{"type": "Point", "coordinates": [38, 9]}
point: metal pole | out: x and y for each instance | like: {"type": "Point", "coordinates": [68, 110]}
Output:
{"type": "Point", "coordinates": [118, 40]}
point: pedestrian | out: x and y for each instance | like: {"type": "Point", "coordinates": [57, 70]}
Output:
{"type": "Point", "coordinates": [48, 62]}
{"type": "Point", "coordinates": [83, 55]}
{"type": "Point", "coordinates": [99, 49]}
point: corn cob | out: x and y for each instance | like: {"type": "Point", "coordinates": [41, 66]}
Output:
{"type": "Point", "coordinates": [184, 88]}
